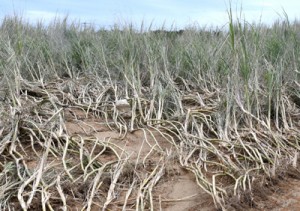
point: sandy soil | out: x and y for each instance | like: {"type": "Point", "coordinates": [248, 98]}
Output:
{"type": "Point", "coordinates": [177, 189]}
{"type": "Point", "coordinates": [284, 197]}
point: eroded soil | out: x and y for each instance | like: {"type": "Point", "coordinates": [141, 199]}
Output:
{"type": "Point", "coordinates": [285, 196]}
{"type": "Point", "coordinates": [175, 191]}
{"type": "Point", "coordinates": [147, 149]}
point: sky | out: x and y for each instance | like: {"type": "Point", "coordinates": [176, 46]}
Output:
{"type": "Point", "coordinates": [174, 14]}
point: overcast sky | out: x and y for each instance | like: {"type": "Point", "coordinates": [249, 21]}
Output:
{"type": "Point", "coordinates": [179, 13]}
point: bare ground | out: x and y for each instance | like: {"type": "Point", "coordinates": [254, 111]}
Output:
{"type": "Point", "coordinates": [283, 195]}
{"type": "Point", "coordinates": [177, 190]}
{"type": "Point", "coordinates": [148, 151]}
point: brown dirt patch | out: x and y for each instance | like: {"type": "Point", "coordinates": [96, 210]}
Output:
{"type": "Point", "coordinates": [181, 192]}
{"type": "Point", "coordinates": [145, 150]}
{"type": "Point", "coordinates": [281, 193]}
{"type": "Point", "coordinates": [176, 190]}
